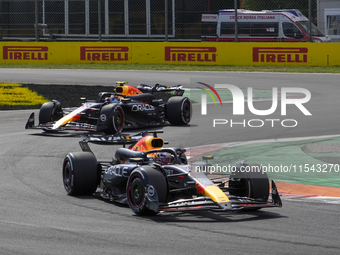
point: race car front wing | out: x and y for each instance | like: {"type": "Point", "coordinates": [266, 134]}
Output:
{"type": "Point", "coordinates": [30, 124]}
{"type": "Point", "coordinates": [235, 203]}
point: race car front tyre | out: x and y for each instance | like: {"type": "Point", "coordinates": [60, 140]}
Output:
{"type": "Point", "coordinates": [115, 117]}
{"type": "Point", "coordinates": [80, 173]}
{"type": "Point", "coordinates": [45, 113]}
{"type": "Point", "coordinates": [179, 110]}
{"type": "Point", "coordinates": [250, 181]}
{"type": "Point", "coordinates": [142, 182]}
{"type": "Point", "coordinates": [117, 120]}
{"type": "Point", "coordinates": [50, 111]}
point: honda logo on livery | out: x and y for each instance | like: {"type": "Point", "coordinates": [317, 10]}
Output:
{"type": "Point", "coordinates": [280, 55]}
{"type": "Point", "coordinates": [103, 53]}
{"type": "Point", "coordinates": [25, 53]}
{"type": "Point", "coordinates": [190, 54]}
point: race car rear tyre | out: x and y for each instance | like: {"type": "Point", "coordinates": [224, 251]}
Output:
{"type": "Point", "coordinates": [250, 181]}
{"type": "Point", "coordinates": [115, 120]}
{"type": "Point", "coordinates": [80, 173]}
{"type": "Point", "coordinates": [179, 110]}
{"type": "Point", "coordinates": [141, 181]}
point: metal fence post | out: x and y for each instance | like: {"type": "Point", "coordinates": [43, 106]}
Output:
{"type": "Point", "coordinates": [236, 24]}
{"type": "Point", "coordinates": [99, 20]}
{"type": "Point", "coordinates": [310, 19]}
{"type": "Point", "coordinates": [166, 21]}
{"type": "Point", "coordinates": [36, 21]}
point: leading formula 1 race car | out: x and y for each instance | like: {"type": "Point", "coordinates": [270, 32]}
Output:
{"type": "Point", "coordinates": [127, 106]}
{"type": "Point", "coordinates": [153, 179]}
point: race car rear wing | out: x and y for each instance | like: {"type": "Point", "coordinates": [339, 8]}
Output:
{"type": "Point", "coordinates": [158, 87]}
{"type": "Point", "coordinates": [116, 139]}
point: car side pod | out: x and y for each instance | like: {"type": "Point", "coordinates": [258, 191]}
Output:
{"type": "Point", "coordinates": [275, 195]}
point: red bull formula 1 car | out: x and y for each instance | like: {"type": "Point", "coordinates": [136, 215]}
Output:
{"type": "Point", "coordinates": [127, 106]}
{"type": "Point", "coordinates": [153, 179]}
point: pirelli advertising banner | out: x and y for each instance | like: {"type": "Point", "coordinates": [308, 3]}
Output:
{"type": "Point", "coordinates": [189, 53]}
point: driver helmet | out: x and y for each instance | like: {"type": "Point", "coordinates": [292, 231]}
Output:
{"type": "Point", "coordinates": [164, 158]}
{"type": "Point", "coordinates": [114, 98]}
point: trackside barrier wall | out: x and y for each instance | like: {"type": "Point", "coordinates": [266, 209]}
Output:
{"type": "Point", "coordinates": [183, 53]}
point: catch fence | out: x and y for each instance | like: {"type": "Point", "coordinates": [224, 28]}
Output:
{"type": "Point", "coordinates": [139, 20]}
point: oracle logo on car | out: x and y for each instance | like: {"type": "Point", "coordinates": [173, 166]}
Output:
{"type": "Point", "coordinates": [25, 53]}
{"type": "Point", "coordinates": [190, 54]}
{"type": "Point", "coordinates": [103, 53]}
{"type": "Point", "coordinates": [280, 55]}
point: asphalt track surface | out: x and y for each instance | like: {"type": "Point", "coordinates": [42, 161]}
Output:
{"type": "Point", "coordinates": [37, 217]}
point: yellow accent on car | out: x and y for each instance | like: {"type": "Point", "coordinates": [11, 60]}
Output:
{"type": "Point", "coordinates": [216, 194]}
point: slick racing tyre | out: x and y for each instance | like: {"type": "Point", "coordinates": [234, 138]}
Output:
{"type": "Point", "coordinates": [49, 112]}
{"type": "Point", "coordinates": [249, 182]}
{"type": "Point", "coordinates": [179, 110]}
{"type": "Point", "coordinates": [80, 173]}
{"type": "Point", "coordinates": [115, 117]}
{"type": "Point", "coordinates": [45, 113]}
{"type": "Point", "coordinates": [116, 120]}
{"type": "Point", "coordinates": [141, 181]}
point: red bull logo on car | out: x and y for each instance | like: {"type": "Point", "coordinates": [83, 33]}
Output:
{"type": "Point", "coordinates": [280, 55]}
{"type": "Point", "coordinates": [120, 53]}
{"type": "Point", "coordinates": [25, 53]}
{"type": "Point", "coordinates": [190, 54]}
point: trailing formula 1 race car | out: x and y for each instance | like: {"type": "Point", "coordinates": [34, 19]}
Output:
{"type": "Point", "coordinates": [153, 179]}
{"type": "Point", "coordinates": [127, 106]}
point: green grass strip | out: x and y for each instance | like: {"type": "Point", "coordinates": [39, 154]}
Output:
{"type": "Point", "coordinates": [285, 161]}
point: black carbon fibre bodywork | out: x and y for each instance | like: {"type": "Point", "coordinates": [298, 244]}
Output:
{"type": "Point", "coordinates": [149, 187]}
{"type": "Point", "coordinates": [111, 112]}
